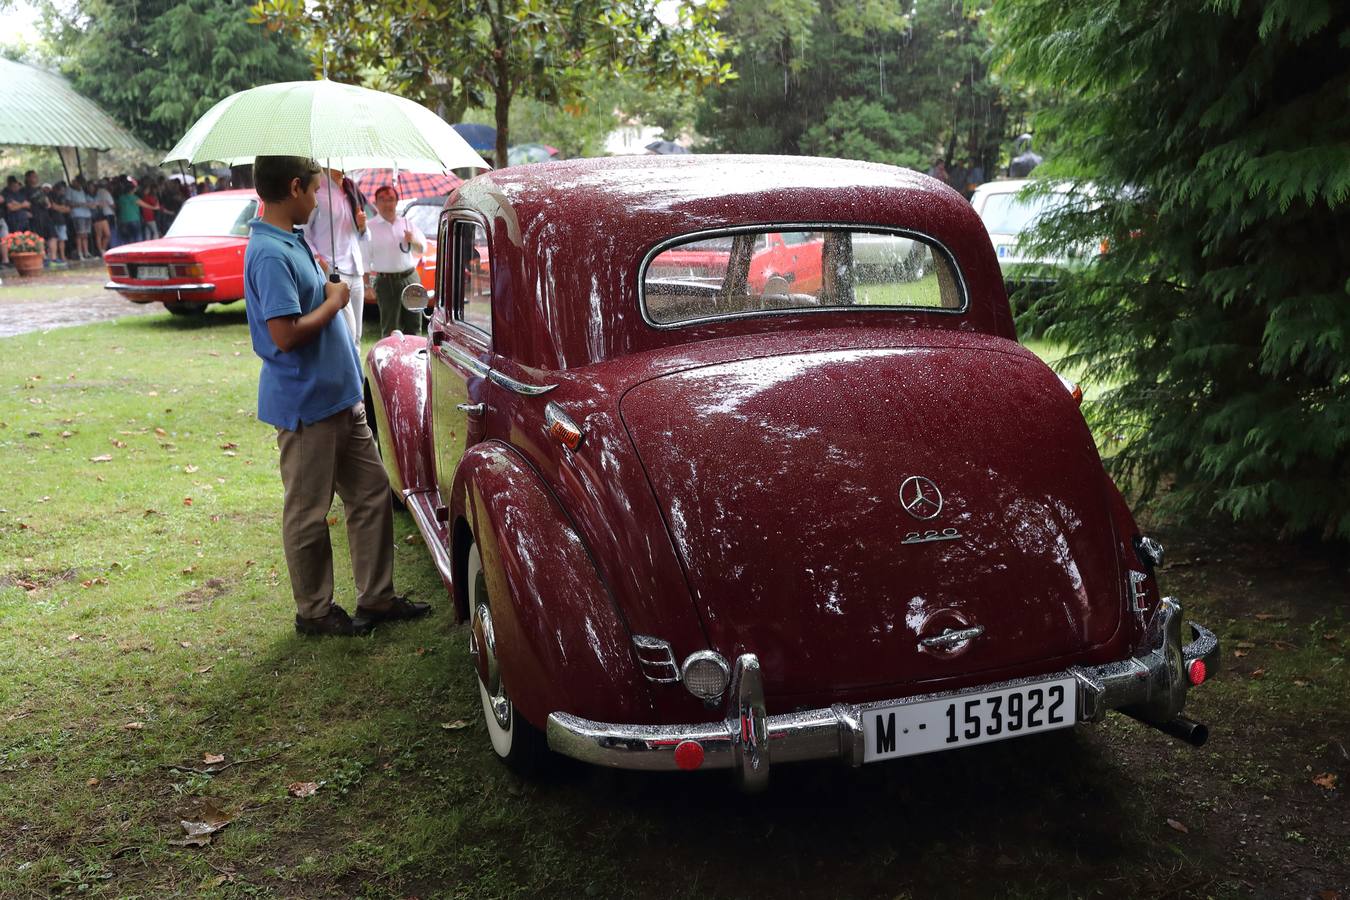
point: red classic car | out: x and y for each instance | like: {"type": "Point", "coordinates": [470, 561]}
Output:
{"type": "Point", "coordinates": [699, 522]}
{"type": "Point", "coordinates": [200, 259]}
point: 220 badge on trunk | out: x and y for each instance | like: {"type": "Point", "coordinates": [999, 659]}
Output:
{"type": "Point", "coordinates": [977, 717]}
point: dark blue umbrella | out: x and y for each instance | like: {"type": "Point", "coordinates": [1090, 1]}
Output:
{"type": "Point", "coordinates": [480, 137]}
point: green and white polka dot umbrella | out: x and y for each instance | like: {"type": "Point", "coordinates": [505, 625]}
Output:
{"type": "Point", "coordinates": [341, 125]}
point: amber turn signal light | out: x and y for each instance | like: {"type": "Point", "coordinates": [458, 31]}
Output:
{"type": "Point", "coordinates": [561, 427]}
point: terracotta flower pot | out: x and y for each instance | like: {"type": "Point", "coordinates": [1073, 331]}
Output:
{"type": "Point", "coordinates": [28, 264]}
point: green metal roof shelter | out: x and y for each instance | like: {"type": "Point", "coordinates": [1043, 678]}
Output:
{"type": "Point", "coordinates": [40, 108]}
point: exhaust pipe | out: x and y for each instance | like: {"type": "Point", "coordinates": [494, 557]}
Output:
{"type": "Point", "coordinates": [1181, 728]}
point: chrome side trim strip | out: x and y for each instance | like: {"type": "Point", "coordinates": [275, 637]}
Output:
{"type": "Point", "coordinates": [483, 370]}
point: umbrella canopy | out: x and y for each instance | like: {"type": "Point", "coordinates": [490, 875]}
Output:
{"type": "Point", "coordinates": [40, 108]}
{"type": "Point", "coordinates": [530, 153]}
{"type": "Point", "coordinates": [323, 120]}
{"type": "Point", "coordinates": [482, 138]}
{"type": "Point", "coordinates": [666, 147]}
{"type": "Point", "coordinates": [410, 185]}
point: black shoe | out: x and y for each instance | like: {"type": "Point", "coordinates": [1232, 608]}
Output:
{"type": "Point", "coordinates": [400, 609]}
{"type": "Point", "coordinates": [336, 624]}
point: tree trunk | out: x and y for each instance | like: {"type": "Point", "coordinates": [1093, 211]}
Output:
{"type": "Point", "coordinates": [503, 113]}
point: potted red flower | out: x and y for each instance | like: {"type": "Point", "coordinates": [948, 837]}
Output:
{"type": "Point", "coordinates": [25, 251]}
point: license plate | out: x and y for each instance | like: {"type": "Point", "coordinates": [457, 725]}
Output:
{"type": "Point", "coordinates": [152, 273]}
{"type": "Point", "coordinates": [979, 718]}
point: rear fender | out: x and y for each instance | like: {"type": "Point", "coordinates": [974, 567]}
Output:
{"type": "Point", "coordinates": [397, 394]}
{"type": "Point", "coordinates": [1141, 582]}
{"type": "Point", "coordinates": [561, 643]}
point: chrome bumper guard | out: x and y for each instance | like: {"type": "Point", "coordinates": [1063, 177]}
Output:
{"type": "Point", "coordinates": [1150, 685]}
{"type": "Point", "coordinates": [157, 288]}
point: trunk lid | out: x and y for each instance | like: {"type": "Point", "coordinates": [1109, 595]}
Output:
{"type": "Point", "coordinates": [781, 480]}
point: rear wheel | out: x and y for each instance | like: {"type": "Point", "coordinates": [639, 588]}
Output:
{"type": "Point", "coordinates": [516, 742]}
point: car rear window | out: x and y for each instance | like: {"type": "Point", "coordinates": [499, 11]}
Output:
{"type": "Point", "coordinates": [755, 272]}
{"type": "Point", "coordinates": [211, 217]}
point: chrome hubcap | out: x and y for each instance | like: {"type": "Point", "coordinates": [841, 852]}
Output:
{"type": "Point", "coordinates": [483, 646]}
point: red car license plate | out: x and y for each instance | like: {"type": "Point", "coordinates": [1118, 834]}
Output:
{"type": "Point", "coordinates": [909, 729]}
{"type": "Point", "coordinates": [152, 273]}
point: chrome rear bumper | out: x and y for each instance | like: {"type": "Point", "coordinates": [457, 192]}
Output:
{"type": "Point", "coordinates": [1150, 686]}
{"type": "Point", "coordinates": [158, 288]}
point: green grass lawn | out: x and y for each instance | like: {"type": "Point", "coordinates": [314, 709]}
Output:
{"type": "Point", "coordinates": [145, 623]}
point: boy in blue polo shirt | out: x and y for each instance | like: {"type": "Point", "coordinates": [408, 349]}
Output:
{"type": "Point", "coordinates": [310, 389]}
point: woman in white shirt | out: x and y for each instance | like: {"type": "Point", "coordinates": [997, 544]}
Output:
{"type": "Point", "coordinates": [395, 246]}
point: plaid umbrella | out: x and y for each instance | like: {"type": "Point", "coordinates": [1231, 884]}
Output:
{"type": "Point", "coordinates": [409, 184]}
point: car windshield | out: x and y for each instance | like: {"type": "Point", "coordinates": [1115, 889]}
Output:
{"type": "Point", "coordinates": [214, 217]}
{"type": "Point", "coordinates": [755, 272]}
{"type": "Point", "coordinates": [1006, 213]}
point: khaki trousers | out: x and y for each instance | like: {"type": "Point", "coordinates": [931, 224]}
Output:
{"type": "Point", "coordinates": [336, 454]}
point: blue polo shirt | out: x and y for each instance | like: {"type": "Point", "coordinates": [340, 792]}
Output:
{"type": "Point", "coordinates": [311, 382]}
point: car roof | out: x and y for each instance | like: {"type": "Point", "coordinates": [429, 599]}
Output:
{"type": "Point", "coordinates": [569, 236]}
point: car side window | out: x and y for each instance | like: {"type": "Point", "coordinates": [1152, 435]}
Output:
{"type": "Point", "coordinates": [472, 296]}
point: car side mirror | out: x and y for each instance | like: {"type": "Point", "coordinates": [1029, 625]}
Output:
{"type": "Point", "coordinates": [415, 297]}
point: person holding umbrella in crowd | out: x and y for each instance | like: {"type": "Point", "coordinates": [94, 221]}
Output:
{"type": "Point", "coordinates": [334, 235]}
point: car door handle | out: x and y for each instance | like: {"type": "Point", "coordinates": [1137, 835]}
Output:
{"type": "Point", "coordinates": [473, 409]}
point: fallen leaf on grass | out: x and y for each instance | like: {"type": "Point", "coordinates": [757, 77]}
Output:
{"type": "Point", "coordinates": [205, 821]}
{"type": "Point", "coordinates": [161, 432]}
{"type": "Point", "coordinates": [152, 393]}
{"type": "Point", "coordinates": [204, 669]}
{"type": "Point", "coordinates": [1326, 780]}
{"type": "Point", "coordinates": [1301, 682]}
{"type": "Point", "coordinates": [1266, 617]}
{"type": "Point", "coordinates": [73, 637]}
{"type": "Point", "coordinates": [92, 782]}
{"type": "Point", "coordinates": [188, 571]}
{"type": "Point", "coordinates": [106, 457]}
{"type": "Point", "coordinates": [14, 717]}
{"type": "Point", "coordinates": [1177, 826]}
{"type": "Point", "coordinates": [410, 539]}
{"type": "Point", "coordinates": [189, 469]}
{"type": "Point", "coordinates": [119, 444]}
{"type": "Point", "coordinates": [1245, 645]}
{"type": "Point", "coordinates": [134, 726]}
{"type": "Point", "coordinates": [66, 434]}
{"type": "Point", "coordinates": [230, 453]}
{"type": "Point", "coordinates": [455, 725]}
{"type": "Point", "coordinates": [212, 758]}
{"type": "Point", "coordinates": [1239, 653]}
{"type": "Point", "coordinates": [1259, 673]}
{"type": "Point", "coordinates": [93, 581]}
{"type": "Point", "coordinates": [302, 788]}
{"type": "Point", "coordinates": [187, 501]}
{"type": "Point", "coordinates": [1284, 645]}
{"type": "Point", "coordinates": [185, 644]}
{"type": "Point", "coordinates": [230, 445]}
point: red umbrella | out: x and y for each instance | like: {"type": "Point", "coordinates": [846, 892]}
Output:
{"type": "Point", "coordinates": [410, 184]}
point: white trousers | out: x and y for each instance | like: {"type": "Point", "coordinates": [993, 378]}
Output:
{"type": "Point", "coordinates": [356, 308]}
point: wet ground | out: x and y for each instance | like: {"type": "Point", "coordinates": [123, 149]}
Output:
{"type": "Point", "coordinates": [58, 298]}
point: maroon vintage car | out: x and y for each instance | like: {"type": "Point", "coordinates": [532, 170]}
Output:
{"type": "Point", "coordinates": [695, 522]}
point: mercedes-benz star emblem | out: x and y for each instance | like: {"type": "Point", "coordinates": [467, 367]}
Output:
{"type": "Point", "coordinates": [920, 497]}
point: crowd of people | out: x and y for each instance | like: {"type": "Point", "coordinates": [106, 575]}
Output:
{"type": "Point", "coordinates": [83, 219]}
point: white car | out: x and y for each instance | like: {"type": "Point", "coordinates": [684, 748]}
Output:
{"type": "Point", "coordinates": [1008, 217]}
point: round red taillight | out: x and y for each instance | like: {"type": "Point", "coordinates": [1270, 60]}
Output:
{"type": "Point", "coordinates": [1196, 671]}
{"type": "Point", "coordinates": [689, 755]}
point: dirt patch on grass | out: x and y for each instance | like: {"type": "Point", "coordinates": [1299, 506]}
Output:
{"type": "Point", "coordinates": [35, 580]}
{"type": "Point", "coordinates": [202, 596]}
